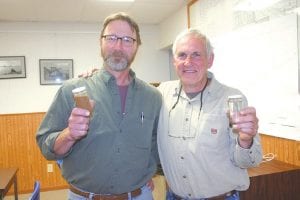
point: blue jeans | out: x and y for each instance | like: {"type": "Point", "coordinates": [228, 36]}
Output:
{"type": "Point", "coordinates": [145, 195]}
{"type": "Point", "coordinates": [171, 196]}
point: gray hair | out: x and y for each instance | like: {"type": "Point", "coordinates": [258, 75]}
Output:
{"type": "Point", "coordinates": [197, 34]}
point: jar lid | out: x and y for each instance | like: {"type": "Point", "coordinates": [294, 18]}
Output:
{"type": "Point", "coordinates": [79, 89]}
{"type": "Point", "coordinates": [238, 96]}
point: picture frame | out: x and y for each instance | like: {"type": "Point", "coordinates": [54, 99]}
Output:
{"type": "Point", "coordinates": [12, 67]}
{"type": "Point", "coordinates": [55, 71]}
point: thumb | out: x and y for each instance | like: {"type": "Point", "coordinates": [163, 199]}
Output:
{"type": "Point", "coordinates": [92, 103]}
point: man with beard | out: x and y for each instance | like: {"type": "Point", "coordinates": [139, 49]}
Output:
{"type": "Point", "coordinates": [110, 153]}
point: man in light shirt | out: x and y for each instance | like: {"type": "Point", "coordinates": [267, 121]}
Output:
{"type": "Point", "coordinates": [204, 153]}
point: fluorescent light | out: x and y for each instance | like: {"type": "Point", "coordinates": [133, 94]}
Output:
{"type": "Point", "coordinates": [252, 5]}
{"type": "Point", "coordinates": [116, 0]}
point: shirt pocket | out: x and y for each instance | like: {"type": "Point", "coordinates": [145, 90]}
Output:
{"type": "Point", "coordinates": [213, 131]}
{"type": "Point", "coordinates": [140, 137]}
{"type": "Point", "coordinates": [142, 131]}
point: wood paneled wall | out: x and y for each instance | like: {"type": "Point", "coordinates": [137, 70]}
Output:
{"type": "Point", "coordinates": [284, 149]}
{"type": "Point", "coordinates": [18, 148]}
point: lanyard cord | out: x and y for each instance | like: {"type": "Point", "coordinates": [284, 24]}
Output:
{"type": "Point", "coordinates": [201, 97]}
{"type": "Point", "coordinates": [176, 99]}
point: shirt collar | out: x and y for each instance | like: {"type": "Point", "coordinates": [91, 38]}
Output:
{"type": "Point", "coordinates": [108, 77]}
{"type": "Point", "coordinates": [177, 89]}
{"type": "Point", "coordinates": [210, 76]}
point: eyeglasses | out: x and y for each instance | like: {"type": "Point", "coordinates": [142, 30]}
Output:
{"type": "Point", "coordinates": [113, 39]}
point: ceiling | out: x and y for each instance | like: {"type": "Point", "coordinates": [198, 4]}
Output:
{"type": "Point", "coordinates": [86, 11]}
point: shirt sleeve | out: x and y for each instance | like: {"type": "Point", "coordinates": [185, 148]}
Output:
{"type": "Point", "coordinates": [245, 158]}
{"type": "Point", "coordinates": [55, 120]}
{"type": "Point", "coordinates": [155, 127]}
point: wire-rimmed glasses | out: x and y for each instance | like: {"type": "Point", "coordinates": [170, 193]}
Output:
{"type": "Point", "coordinates": [113, 39]}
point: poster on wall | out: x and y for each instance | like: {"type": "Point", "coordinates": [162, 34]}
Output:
{"type": "Point", "coordinates": [12, 67]}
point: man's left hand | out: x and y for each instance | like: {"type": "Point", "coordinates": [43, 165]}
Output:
{"type": "Point", "coordinates": [247, 126]}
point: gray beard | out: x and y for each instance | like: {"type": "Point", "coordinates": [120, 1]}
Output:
{"type": "Point", "coordinates": [117, 66]}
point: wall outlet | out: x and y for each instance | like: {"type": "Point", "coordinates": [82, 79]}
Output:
{"type": "Point", "coordinates": [49, 167]}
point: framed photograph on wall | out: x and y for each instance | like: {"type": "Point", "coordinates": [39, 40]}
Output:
{"type": "Point", "coordinates": [12, 67]}
{"type": "Point", "coordinates": [55, 71]}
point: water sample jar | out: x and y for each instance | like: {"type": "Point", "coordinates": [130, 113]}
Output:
{"type": "Point", "coordinates": [82, 99]}
{"type": "Point", "coordinates": [235, 104]}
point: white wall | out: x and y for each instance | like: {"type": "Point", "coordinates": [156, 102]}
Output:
{"type": "Point", "coordinates": [79, 42]}
{"type": "Point", "coordinates": [212, 17]}
{"type": "Point", "coordinates": [169, 29]}
{"type": "Point", "coordinates": [172, 26]}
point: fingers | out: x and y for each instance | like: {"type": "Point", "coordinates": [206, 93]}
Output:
{"type": "Point", "coordinates": [92, 103]}
{"type": "Point", "coordinates": [88, 73]}
{"type": "Point", "coordinates": [247, 126]}
{"type": "Point", "coordinates": [251, 131]}
{"type": "Point", "coordinates": [247, 121]}
{"type": "Point", "coordinates": [95, 69]}
{"type": "Point", "coordinates": [150, 184]}
{"type": "Point", "coordinates": [85, 74]}
{"type": "Point", "coordinates": [78, 123]}
{"type": "Point", "coordinates": [248, 110]}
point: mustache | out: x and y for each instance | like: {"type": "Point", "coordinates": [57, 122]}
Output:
{"type": "Point", "coordinates": [118, 54]}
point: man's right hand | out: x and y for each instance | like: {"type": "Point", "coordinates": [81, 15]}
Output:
{"type": "Point", "coordinates": [78, 126]}
{"type": "Point", "coordinates": [78, 123]}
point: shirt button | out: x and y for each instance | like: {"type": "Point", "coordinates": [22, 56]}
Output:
{"type": "Point", "coordinates": [183, 138]}
{"type": "Point", "coordinates": [182, 157]}
{"type": "Point", "coordinates": [184, 176]}
{"type": "Point", "coordinates": [111, 187]}
{"type": "Point", "coordinates": [186, 119]}
{"type": "Point", "coordinates": [190, 194]}
{"type": "Point", "coordinates": [120, 130]}
{"type": "Point", "coordinates": [250, 152]}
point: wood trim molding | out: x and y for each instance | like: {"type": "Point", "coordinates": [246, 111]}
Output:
{"type": "Point", "coordinates": [188, 11]}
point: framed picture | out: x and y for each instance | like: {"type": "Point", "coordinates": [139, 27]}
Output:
{"type": "Point", "coordinates": [12, 67]}
{"type": "Point", "coordinates": [55, 71]}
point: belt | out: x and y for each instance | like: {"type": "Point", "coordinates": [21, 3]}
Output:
{"type": "Point", "coordinates": [219, 197]}
{"type": "Point", "coordinates": [223, 196]}
{"type": "Point", "coordinates": [123, 196]}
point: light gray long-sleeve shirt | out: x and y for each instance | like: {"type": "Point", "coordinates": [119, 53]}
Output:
{"type": "Point", "coordinates": [199, 152]}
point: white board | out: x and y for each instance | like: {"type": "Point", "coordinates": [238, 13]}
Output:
{"type": "Point", "coordinates": [262, 61]}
